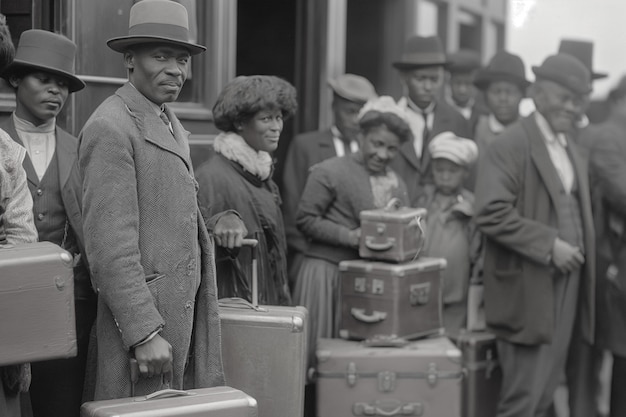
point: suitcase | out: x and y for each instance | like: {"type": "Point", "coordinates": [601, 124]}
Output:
{"type": "Point", "coordinates": [392, 234]}
{"type": "Point", "coordinates": [481, 387]}
{"type": "Point", "coordinates": [421, 378]}
{"type": "Point", "coordinates": [401, 300]}
{"type": "Point", "coordinates": [36, 303]}
{"type": "Point", "coordinates": [264, 352]}
{"type": "Point", "coordinates": [214, 402]}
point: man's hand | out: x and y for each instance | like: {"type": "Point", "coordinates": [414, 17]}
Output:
{"type": "Point", "coordinates": [154, 357]}
{"type": "Point", "coordinates": [566, 257]}
{"type": "Point", "coordinates": [230, 231]}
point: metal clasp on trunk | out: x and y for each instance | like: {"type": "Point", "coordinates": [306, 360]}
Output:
{"type": "Point", "coordinates": [386, 381]}
{"type": "Point", "coordinates": [419, 294]}
{"type": "Point", "coordinates": [351, 374]}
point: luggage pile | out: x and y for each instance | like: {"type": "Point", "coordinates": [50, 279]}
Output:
{"type": "Point", "coordinates": [393, 357]}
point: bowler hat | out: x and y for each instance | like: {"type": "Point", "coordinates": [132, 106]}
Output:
{"type": "Point", "coordinates": [583, 51]}
{"type": "Point", "coordinates": [503, 66]}
{"type": "Point", "coordinates": [463, 61]}
{"type": "Point", "coordinates": [353, 88]}
{"type": "Point", "coordinates": [567, 71]}
{"type": "Point", "coordinates": [156, 21]}
{"type": "Point", "coordinates": [422, 51]}
{"type": "Point", "coordinates": [41, 50]}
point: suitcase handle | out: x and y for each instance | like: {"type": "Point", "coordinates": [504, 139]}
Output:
{"type": "Point", "coordinates": [240, 303]}
{"type": "Point", "coordinates": [410, 409]}
{"type": "Point", "coordinates": [379, 247]}
{"type": "Point", "coordinates": [375, 317]}
{"type": "Point", "coordinates": [169, 392]}
{"type": "Point", "coordinates": [253, 243]}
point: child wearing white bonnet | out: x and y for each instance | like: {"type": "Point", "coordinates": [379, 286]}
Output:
{"type": "Point", "coordinates": [450, 230]}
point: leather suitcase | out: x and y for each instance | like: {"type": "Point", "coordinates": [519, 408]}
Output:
{"type": "Point", "coordinates": [36, 303]}
{"type": "Point", "coordinates": [418, 379]}
{"type": "Point", "coordinates": [264, 353]}
{"type": "Point", "coordinates": [214, 402]}
{"type": "Point", "coordinates": [400, 300]}
{"type": "Point", "coordinates": [481, 386]}
{"type": "Point", "coordinates": [392, 234]}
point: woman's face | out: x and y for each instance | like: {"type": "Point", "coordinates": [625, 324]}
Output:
{"type": "Point", "coordinates": [262, 131]}
{"type": "Point", "coordinates": [379, 146]}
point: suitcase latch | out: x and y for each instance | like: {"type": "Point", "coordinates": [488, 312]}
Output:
{"type": "Point", "coordinates": [360, 284]}
{"type": "Point", "coordinates": [419, 294]}
{"type": "Point", "coordinates": [351, 374]}
{"type": "Point", "coordinates": [378, 286]}
{"type": "Point", "coordinates": [386, 381]}
{"type": "Point", "coordinates": [433, 375]}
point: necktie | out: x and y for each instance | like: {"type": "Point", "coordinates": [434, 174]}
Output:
{"type": "Point", "coordinates": [425, 134]}
{"type": "Point", "coordinates": [166, 120]}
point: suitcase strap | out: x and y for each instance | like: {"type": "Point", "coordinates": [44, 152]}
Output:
{"type": "Point", "coordinates": [387, 379]}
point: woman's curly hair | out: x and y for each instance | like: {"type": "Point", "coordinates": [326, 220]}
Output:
{"type": "Point", "coordinates": [7, 49]}
{"type": "Point", "coordinates": [395, 124]}
{"type": "Point", "coordinates": [245, 96]}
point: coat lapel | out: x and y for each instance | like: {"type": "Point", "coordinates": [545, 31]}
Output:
{"type": "Point", "coordinates": [326, 145]}
{"type": "Point", "coordinates": [65, 154]}
{"type": "Point", "coordinates": [31, 174]}
{"type": "Point", "coordinates": [152, 127]}
{"type": "Point", "coordinates": [541, 158]}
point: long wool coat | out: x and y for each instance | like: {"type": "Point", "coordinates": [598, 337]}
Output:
{"type": "Point", "coordinates": [516, 193]}
{"type": "Point", "coordinates": [142, 228]}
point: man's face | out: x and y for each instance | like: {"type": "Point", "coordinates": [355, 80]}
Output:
{"type": "Point", "coordinates": [40, 96]}
{"type": "Point", "coordinates": [462, 87]}
{"type": "Point", "coordinates": [346, 117]}
{"type": "Point", "coordinates": [158, 71]}
{"type": "Point", "coordinates": [560, 106]}
{"type": "Point", "coordinates": [503, 99]}
{"type": "Point", "coordinates": [423, 84]}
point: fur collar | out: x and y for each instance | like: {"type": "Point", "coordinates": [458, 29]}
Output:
{"type": "Point", "coordinates": [234, 147]}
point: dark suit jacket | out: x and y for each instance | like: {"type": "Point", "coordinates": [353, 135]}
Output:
{"type": "Point", "coordinates": [515, 209]}
{"type": "Point", "coordinates": [66, 150]}
{"type": "Point", "coordinates": [306, 150]}
{"type": "Point", "coordinates": [415, 171]}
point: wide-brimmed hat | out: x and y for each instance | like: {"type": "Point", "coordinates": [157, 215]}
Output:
{"type": "Point", "coordinates": [463, 61]}
{"type": "Point", "coordinates": [353, 88]}
{"type": "Point", "coordinates": [41, 50]}
{"type": "Point", "coordinates": [503, 66]}
{"type": "Point", "coordinates": [583, 51]}
{"type": "Point", "coordinates": [567, 71]}
{"type": "Point", "coordinates": [422, 51]}
{"type": "Point", "coordinates": [156, 21]}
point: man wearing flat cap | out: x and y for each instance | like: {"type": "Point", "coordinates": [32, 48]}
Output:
{"type": "Point", "coordinates": [421, 70]}
{"type": "Point", "coordinates": [149, 252]}
{"type": "Point", "coordinates": [461, 93]}
{"type": "Point", "coordinates": [350, 92]}
{"type": "Point", "coordinates": [533, 205]}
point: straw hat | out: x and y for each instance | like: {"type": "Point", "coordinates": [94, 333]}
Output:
{"type": "Point", "coordinates": [353, 88]}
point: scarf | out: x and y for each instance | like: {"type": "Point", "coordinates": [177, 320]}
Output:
{"type": "Point", "coordinates": [234, 148]}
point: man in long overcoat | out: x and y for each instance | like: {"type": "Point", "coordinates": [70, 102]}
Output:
{"type": "Point", "coordinates": [148, 249]}
{"type": "Point", "coordinates": [533, 206]}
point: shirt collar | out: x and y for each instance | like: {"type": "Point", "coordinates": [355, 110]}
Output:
{"type": "Point", "coordinates": [336, 133]}
{"type": "Point", "coordinates": [157, 109]}
{"type": "Point", "coordinates": [415, 107]}
{"type": "Point", "coordinates": [549, 136]}
{"type": "Point", "coordinates": [26, 126]}
{"type": "Point", "coordinates": [494, 125]}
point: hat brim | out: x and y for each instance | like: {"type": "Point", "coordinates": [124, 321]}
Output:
{"type": "Point", "coordinates": [122, 43]}
{"type": "Point", "coordinates": [417, 65]}
{"type": "Point", "coordinates": [74, 83]}
{"type": "Point", "coordinates": [598, 75]}
{"type": "Point", "coordinates": [484, 78]}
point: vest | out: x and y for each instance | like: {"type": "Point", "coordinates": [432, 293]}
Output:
{"type": "Point", "coordinates": [48, 208]}
{"type": "Point", "coordinates": [570, 217]}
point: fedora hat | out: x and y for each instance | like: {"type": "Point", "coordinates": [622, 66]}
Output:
{"type": "Point", "coordinates": [503, 66]}
{"type": "Point", "coordinates": [567, 71]}
{"type": "Point", "coordinates": [583, 51]}
{"type": "Point", "coordinates": [422, 51]}
{"type": "Point", "coordinates": [463, 61]}
{"type": "Point", "coordinates": [156, 21]}
{"type": "Point", "coordinates": [41, 50]}
{"type": "Point", "coordinates": [353, 88]}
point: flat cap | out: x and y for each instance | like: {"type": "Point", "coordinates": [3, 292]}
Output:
{"type": "Point", "coordinates": [449, 146]}
{"type": "Point", "coordinates": [353, 88]}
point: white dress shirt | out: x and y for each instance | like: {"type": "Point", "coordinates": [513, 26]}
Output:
{"type": "Point", "coordinates": [340, 147]}
{"type": "Point", "coordinates": [39, 141]}
{"type": "Point", "coordinates": [557, 149]}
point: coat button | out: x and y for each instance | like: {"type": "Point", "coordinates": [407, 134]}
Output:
{"type": "Point", "coordinates": [39, 191]}
{"type": "Point", "coordinates": [40, 216]}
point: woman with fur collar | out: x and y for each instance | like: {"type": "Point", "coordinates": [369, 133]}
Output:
{"type": "Point", "coordinates": [250, 112]}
